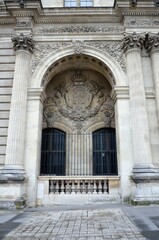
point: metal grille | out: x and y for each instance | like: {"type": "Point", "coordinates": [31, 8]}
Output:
{"type": "Point", "coordinates": [53, 155]}
{"type": "Point", "coordinates": [83, 154]}
{"type": "Point", "coordinates": [104, 152]}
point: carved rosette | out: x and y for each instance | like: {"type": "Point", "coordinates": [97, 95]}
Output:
{"type": "Point", "coordinates": [22, 42]}
{"type": "Point", "coordinates": [152, 42]}
{"type": "Point", "coordinates": [133, 41]}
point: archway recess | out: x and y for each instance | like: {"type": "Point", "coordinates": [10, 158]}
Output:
{"type": "Point", "coordinates": [106, 65]}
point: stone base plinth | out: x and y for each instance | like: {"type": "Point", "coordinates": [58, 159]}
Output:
{"type": "Point", "coordinates": [12, 194]}
{"type": "Point", "coordinates": [145, 188]}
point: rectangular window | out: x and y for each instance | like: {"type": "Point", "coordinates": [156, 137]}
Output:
{"type": "Point", "coordinates": [78, 3]}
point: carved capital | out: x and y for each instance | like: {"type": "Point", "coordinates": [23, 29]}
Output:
{"type": "Point", "coordinates": [22, 42]}
{"type": "Point", "coordinates": [152, 42]}
{"type": "Point", "coordinates": [132, 41]}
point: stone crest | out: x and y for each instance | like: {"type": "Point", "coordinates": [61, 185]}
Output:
{"type": "Point", "coordinates": [78, 101]}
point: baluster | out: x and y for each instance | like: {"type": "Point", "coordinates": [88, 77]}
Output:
{"type": "Point", "coordinates": [94, 187]}
{"type": "Point", "coordinates": [78, 186]}
{"type": "Point", "coordinates": [57, 187]}
{"type": "Point", "coordinates": [51, 186]}
{"type": "Point", "coordinates": [105, 187]}
{"type": "Point", "coordinates": [73, 187]}
{"type": "Point", "coordinates": [67, 187]}
{"type": "Point", "coordinates": [62, 187]}
{"type": "Point", "coordinates": [100, 187]}
{"type": "Point", "coordinates": [89, 187]}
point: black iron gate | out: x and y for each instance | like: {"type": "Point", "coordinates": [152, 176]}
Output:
{"type": "Point", "coordinates": [104, 152]}
{"type": "Point", "coordinates": [53, 154]}
{"type": "Point", "coordinates": [78, 154]}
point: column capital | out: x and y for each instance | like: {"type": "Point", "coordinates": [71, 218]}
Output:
{"type": "Point", "coordinates": [133, 41]}
{"type": "Point", "coordinates": [23, 42]}
{"type": "Point", "coordinates": [152, 42]}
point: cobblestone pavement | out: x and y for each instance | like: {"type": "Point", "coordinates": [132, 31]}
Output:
{"type": "Point", "coordinates": [78, 224]}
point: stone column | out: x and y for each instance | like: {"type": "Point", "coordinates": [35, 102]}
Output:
{"type": "Point", "coordinates": [132, 46]}
{"type": "Point", "coordinates": [14, 163]}
{"type": "Point", "coordinates": [152, 46]}
{"type": "Point", "coordinates": [145, 178]}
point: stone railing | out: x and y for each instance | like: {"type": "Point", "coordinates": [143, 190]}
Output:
{"type": "Point", "coordinates": [82, 185]}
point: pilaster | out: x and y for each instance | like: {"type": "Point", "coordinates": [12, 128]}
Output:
{"type": "Point", "coordinates": [152, 46]}
{"type": "Point", "coordinates": [143, 170]}
{"type": "Point", "coordinates": [14, 163]}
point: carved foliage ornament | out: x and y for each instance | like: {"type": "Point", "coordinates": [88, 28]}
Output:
{"type": "Point", "coordinates": [22, 42]}
{"type": "Point", "coordinates": [78, 46]}
{"type": "Point", "coordinates": [133, 41]}
{"type": "Point", "coordinates": [152, 42]}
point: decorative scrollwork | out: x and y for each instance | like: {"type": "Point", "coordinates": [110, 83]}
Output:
{"type": "Point", "coordinates": [152, 42]}
{"type": "Point", "coordinates": [133, 40]}
{"type": "Point", "coordinates": [22, 42]}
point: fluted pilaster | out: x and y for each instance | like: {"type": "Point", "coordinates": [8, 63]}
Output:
{"type": "Point", "coordinates": [152, 46]}
{"type": "Point", "coordinates": [23, 45]}
{"type": "Point", "coordinates": [132, 46]}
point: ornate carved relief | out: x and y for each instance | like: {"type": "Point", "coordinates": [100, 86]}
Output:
{"type": "Point", "coordinates": [42, 50]}
{"type": "Point", "coordinates": [133, 41]}
{"type": "Point", "coordinates": [78, 46]}
{"type": "Point", "coordinates": [23, 24]}
{"type": "Point", "coordinates": [141, 22]}
{"type": "Point", "coordinates": [114, 49]}
{"type": "Point", "coordinates": [152, 42]}
{"type": "Point", "coordinates": [90, 28]}
{"type": "Point", "coordinates": [78, 101]}
{"type": "Point", "coordinates": [22, 42]}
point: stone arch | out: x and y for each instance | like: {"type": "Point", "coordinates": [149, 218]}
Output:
{"type": "Point", "coordinates": [116, 70]}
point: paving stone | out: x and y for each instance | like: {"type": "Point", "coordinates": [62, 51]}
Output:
{"type": "Point", "coordinates": [107, 224]}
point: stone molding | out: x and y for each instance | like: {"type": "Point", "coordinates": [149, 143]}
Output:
{"type": "Point", "coordinates": [23, 42]}
{"type": "Point", "coordinates": [152, 42]}
{"type": "Point", "coordinates": [82, 28]}
{"type": "Point", "coordinates": [114, 49]}
{"type": "Point", "coordinates": [141, 22]}
{"type": "Point", "coordinates": [119, 92]}
{"type": "Point", "coordinates": [133, 41]}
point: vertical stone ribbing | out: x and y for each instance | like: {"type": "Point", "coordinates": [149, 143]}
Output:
{"type": "Point", "coordinates": [17, 121]}
{"type": "Point", "coordinates": [152, 46]}
{"type": "Point", "coordinates": [139, 119]}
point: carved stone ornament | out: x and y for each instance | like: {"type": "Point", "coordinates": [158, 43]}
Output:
{"type": "Point", "coordinates": [141, 22]}
{"type": "Point", "coordinates": [22, 42]}
{"type": "Point", "coordinates": [43, 49]}
{"type": "Point", "coordinates": [23, 24]}
{"type": "Point", "coordinates": [133, 41]}
{"type": "Point", "coordinates": [114, 49]}
{"type": "Point", "coordinates": [152, 42]}
{"type": "Point", "coordinates": [78, 46]}
{"type": "Point", "coordinates": [82, 28]}
{"type": "Point", "coordinates": [78, 101]}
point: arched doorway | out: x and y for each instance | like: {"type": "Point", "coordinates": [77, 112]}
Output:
{"type": "Point", "coordinates": [48, 70]}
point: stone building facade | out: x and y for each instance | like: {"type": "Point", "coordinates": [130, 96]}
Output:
{"type": "Point", "coordinates": [79, 101]}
